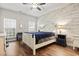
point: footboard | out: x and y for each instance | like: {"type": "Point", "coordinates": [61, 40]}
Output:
{"type": "Point", "coordinates": [27, 39]}
{"type": "Point", "coordinates": [31, 42]}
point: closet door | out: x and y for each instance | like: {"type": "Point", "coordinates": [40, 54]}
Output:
{"type": "Point", "coordinates": [2, 50]}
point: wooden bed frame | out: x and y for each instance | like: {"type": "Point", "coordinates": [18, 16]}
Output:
{"type": "Point", "coordinates": [31, 42]}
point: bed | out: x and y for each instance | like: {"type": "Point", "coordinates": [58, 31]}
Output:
{"type": "Point", "coordinates": [37, 40]}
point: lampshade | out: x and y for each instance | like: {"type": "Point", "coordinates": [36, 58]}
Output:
{"type": "Point", "coordinates": [60, 26]}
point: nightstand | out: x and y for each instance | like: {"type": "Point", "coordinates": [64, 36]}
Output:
{"type": "Point", "coordinates": [19, 36]}
{"type": "Point", "coordinates": [61, 40]}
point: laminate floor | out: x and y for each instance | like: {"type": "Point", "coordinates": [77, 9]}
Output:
{"type": "Point", "coordinates": [20, 49]}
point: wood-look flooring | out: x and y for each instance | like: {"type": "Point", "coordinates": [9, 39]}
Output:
{"type": "Point", "coordinates": [20, 49]}
{"type": "Point", "coordinates": [2, 47]}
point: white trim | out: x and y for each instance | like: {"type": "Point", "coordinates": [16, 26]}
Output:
{"type": "Point", "coordinates": [27, 39]}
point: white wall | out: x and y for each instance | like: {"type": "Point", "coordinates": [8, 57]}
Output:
{"type": "Point", "coordinates": [44, 24]}
{"type": "Point", "coordinates": [20, 19]}
{"type": "Point", "coordinates": [1, 22]}
{"type": "Point", "coordinates": [65, 16]}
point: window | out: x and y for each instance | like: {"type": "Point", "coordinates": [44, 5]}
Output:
{"type": "Point", "coordinates": [31, 26]}
{"type": "Point", "coordinates": [10, 27]}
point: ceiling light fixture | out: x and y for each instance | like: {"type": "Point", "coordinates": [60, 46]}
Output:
{"type": "Point", "coordinates": [34, 5]}
{"type": "Point", "coordinates": [37, 6]}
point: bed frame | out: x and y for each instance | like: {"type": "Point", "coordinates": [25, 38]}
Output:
{"type": "Point", "coordinates": [31, 42]}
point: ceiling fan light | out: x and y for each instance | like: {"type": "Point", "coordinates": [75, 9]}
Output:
{"type": "Point", "coordinates": [34, 6]}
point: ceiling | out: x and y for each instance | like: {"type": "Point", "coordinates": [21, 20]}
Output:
{"type": "Point", "coordinates": [19, 7]}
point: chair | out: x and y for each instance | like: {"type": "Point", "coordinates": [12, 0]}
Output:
{"type": "Point", "coordinates": [76, 41]}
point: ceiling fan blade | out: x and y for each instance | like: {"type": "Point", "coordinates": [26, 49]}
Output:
{"type": "Point", "coordinates": [39, 8]}
{"type": "Point", "coordinates": [42, 3]}
{"type": "Point", "coordinates": [24, 3]}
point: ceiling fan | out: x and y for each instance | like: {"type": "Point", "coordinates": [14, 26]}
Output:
{"type": "Point", "coordinates": [37, 6]}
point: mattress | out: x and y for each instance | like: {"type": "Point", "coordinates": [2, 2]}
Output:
{"type": "Point", "coordinates": [41, 36]}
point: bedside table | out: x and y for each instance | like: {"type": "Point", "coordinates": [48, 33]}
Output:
{"type": "Point", "coordinates": [61, 40]}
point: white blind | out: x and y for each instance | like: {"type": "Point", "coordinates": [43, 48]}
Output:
{"type": "Point", "coordinates": [9, 23]}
